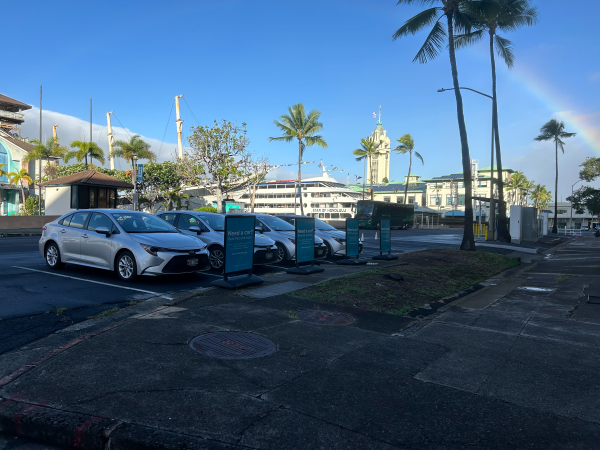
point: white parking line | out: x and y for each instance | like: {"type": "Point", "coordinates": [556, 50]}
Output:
{"type": "Point", "coordinates": [90, 281]}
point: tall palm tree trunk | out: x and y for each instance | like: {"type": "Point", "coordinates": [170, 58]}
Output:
{"type": "Point", "coordinates": [86, 164]}
{"type": "Point", "coordinates": [371, 177]}
{"type": "Point", "coordinates": [555, 224]}
{"type": "Point", "coordinates": [503, 233]}
{"type": "Point", "coordinates": [468, 242]}
{"type": "Point", "coordinates": [408, 177]}
{"type": "Point", "coordinates": [300, 176]}
{"type": "Point", "coordinates": [40, 187]}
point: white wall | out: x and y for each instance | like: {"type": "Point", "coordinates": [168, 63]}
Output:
{"type": "Point", "coordinates": [515, 223]}
{"type": "Point", "coordinates": [58, 200]}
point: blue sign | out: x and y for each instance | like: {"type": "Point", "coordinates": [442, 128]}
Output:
{"type": "Point", "coordinates": [305, 240]}
{"type": "Point", "coordinates": [351, 237]}
{"type": "Point", "coordinates": [140, 173]}
{"type": "Point", "coordinates": [385, 241]}
{"type": "Point", "coordinates": [239, 243]}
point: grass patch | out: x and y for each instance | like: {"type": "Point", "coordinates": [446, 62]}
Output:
{"type": "Point", "coordinates": [105, 313]}
{"type": "Point", "coordinates": [562, 277]}
{"type": "Point", "coordinates": [292, 314]}
{"type": "Point", "coordinates": [60, 310]}
{"type": "Point", "coordinates": [430, 276]}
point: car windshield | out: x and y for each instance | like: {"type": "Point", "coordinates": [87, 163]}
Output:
{"type": "Point", "coordinates": [277, 224]}
{"type": "Point", "coordinates": [143, 223]}
{"type": "Point", "coordinates": [364, 209]}
{"type": "Point", "coordinates": [320, 225]}
{"type": "Point", "coordinates": [216, 222]}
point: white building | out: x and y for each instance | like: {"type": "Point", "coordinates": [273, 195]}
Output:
{"type": "Point", "coordinates": [568, 217]}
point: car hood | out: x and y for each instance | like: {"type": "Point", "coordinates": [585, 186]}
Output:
{"type": "Point", "coordinates": [335, 233]}
{"type": "Point", "coordinates": [176, 241]}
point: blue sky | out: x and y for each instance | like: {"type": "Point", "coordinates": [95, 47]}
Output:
{"type": "Point", "coordinates": [247, 61]}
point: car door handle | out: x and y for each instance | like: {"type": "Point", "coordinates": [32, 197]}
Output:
{"type": "Point", "coordinates": [63, 230]}
{"type": "Point", "coordinates": [85, 236]}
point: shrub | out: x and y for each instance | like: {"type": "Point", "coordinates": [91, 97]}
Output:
{"type": "Point", "coordinates": [31, 206]}
{"type": "Point", "coordinates": [207, 209]}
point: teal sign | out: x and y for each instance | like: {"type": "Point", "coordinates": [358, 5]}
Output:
{"type": "Point", "coordinates": [385, 241]}
{"type": "Point", "coordinates": [140, 173]}
{"type": "Point", "coordinates": [351, 237]}
{"type": "Point", "coordinates": [239, 243]}
{"type": "Point", "coordinates": [305, 240]}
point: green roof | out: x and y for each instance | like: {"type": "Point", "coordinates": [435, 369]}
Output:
{"type": "Point", "coordinates": [496, 168]}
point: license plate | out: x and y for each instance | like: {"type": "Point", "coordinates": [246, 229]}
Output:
{"type": "Point", "coordinates": [268, 255]}
{"type": "Point", "coordinates": [192, 262]}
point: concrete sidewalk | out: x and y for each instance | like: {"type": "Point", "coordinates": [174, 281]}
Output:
{"type": "Point", "coordinates": [506, 367]}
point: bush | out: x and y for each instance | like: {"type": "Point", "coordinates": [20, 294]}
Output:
{"type": "Point", "coordinates": [31, 206]}
{"type": "Point", "coordinates": [207, 209]}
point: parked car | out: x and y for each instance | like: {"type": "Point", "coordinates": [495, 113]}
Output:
{"type": "Point", "coordinates": [209, 227]}
{"type": "Point", "coordinates": [283, 233]}
{"type": "Point", "coordinates": [585, 228]}
{"type": "Point", "coordinates": [130, 243]}
{"type": "Point", "coordinates": [334, 239]}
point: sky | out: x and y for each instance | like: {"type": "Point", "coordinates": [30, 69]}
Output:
{"type": "Point", "coordinates": [248, 61]}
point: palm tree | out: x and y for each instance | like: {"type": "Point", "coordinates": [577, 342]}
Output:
{"type": "Point", "coordinates": [40, 151]}
{"type": "Point", "coordinates": [367, 150]}
{"type": "Point", "coordinates": [540, 196]}
{"type": "Point", "coordinates": [3, 173]}
{"type": "Point", "coordinates": [490, 16]}
{"type": "Point", "coordinates": [86, 149]}
{"type": "Point", "coordinates": [127, 150]}
{"type": "Point", "coordinates": [407, 145]}
{"type": "Point", "coordinates": [17, 178]}
{"type": "Point", "coordinates": [434, 43]}
{"type": "Point", "coordinates": [528, 188]}
{"type": "Point", "coordinates": [515, 185]}
{"type": "Point", "coordinates": [299, 125]}
{"type": "Point", "coordinates": [555, 130]}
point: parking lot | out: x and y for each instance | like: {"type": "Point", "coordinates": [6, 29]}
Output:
{"type": "Point", "coordinates": [34, 297]}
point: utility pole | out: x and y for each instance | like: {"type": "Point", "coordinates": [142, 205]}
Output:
{"type": "Point", "coordinates": [40, 163]}
{"type": "Point", "coordinates": [54, 131]}
{"type": "Point", "coordinates": [111, 138]}
{"type": "Point", "coordinates": [91, 120]}
{"type": "Point", "coordinates": [179, 123]}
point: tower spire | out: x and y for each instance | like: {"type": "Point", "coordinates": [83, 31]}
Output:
{"type": "Point", "coordinates": [379, 113]}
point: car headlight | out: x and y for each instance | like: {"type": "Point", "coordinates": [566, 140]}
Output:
{"type": "Point", "coordinates": [292, 240]}
{"type": "Point", "coordinates": [151, 249]}
{"type": "Point", "coordinates": [339, 240]}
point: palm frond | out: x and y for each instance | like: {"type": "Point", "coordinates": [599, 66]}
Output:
{"type": "Point", "coordinates": [416, 23]}
{"type": "Point", "coordinates": [422, 2]}
{"type": "Point", "coordinates": [315, 140]}
{"type": "Point", "coordinates": [418, 155]}
{"type": "Point", "coordinates": [463, 23]}
{"type": "Point", "coordinates": [432, 45]}
{"type": "Point", "coordinates": [504, 49]}
{"type": "Point", "coordinates": [465, 40]}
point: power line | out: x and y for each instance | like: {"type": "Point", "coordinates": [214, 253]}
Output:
{"type": "Point", "coordinates": [166, 126]}
{"type": "Point", "coordinates": [122, 126]}
{"type": "Point", "coordinates": [193, 115]}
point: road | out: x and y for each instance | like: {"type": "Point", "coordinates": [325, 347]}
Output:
{"type": "Point", "coordinates": [34, 297]}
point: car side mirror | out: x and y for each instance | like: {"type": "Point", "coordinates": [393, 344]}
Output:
{"type": "Point", "coordinates": [196, 230]}
{"type": "Point", "coordinates": [259, 230]}
{"type": "Point", "coordinates": [103, 230]}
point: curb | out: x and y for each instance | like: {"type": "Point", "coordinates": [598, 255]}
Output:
{"type": "Point", "coordinates": [80, 431]}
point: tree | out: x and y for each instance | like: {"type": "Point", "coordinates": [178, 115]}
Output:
{"type": "Point", "coordinates": [299, 125]}
{"type": "Point", "coordinates": [16, 178]}
{"type": "Point", "coordinates": [540, 196]}
{"type": "Point", "coordinates": [63, 171]}
{"type": "Point", "coordinates": [488, 16]}
{"type": "Point", "coordinates": [528, 188]}
{"type": "Point", "coordinates": [367, 150]}
{"type": "Point", "coordinates": [216, 157]}
{"type": "Point", "coordinates": [407, 145]}
{"type": "Point", "coordinates": [434, 43]}
{"type": "Point", "coordinates": [515, 184]}
{"type": "Point", "coordinates": [385, 180]}
{"type": "Point", "coordinates": [127, 150]}
{"type": "Point", "coordinates": [159, 180]}
{"type": "Point", "coordinates": [3, 173]}
{"type": "Point", "coordinates": [584, 198]}
{"type": "Point", "coordinates": [555, 131]}
{"type": "Point", "coordinates": [255, 171]}
{"type": "Point", "coordinates": [85, 149]}
{"type": "Point", "coordinates": [591, 169]}
{"type": "Point", "coordinates": [40, 151]}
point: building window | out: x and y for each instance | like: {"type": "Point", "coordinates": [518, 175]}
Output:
{"type": "Point", "coordinates": [562, 211]}
{"type": "Point", "coordinates": [435, 200]}
{"type": "Point", "coordinates": [482, 183]}
{"type": "Point", "coordinates": [449, 200]}
{"type": "Point", "coordinates": [461, 200]}
{"type": "Point", "coordinates": [411, 200]}
{"type": "Point", "coordinates": [387, 199]}
{"type": "Point", "coordinates": [399, 199]}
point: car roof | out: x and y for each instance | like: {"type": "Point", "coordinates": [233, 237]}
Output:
{"type": "Point", "coordinates": [293, 216]}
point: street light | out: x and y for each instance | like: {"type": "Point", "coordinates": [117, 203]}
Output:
{"type": "Point", "coordinates": [134, 159]}
{"type": "Point", "coordinates": [571, 221]}
{"type": "Point", "coordinates": [492, 219]}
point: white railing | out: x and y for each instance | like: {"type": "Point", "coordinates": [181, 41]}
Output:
{"type": "Point", "coordinates": [571, 231]}
{"type": "Point", "coordinates": [11, 115]}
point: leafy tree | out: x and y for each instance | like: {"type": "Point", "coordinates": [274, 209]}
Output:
{"type": "Point", "coordinates": [585, 197]}
{"type": "Point", "coordinates": [16, 178]}
{"type": "Point", "coordinates": [553, 130]}
{"type": "Point", "coordinates": [407, 145]}
{"type": "Point", "coordinates": [216, 157]}
{"type": "Point", "coordinates": [159, 179]}
{"type": "Point", "coordinates": [209, 209]}
{"type": "Point", "coordinates": [590, 170]}
{"type": "Point", "coordinates": [255, 171]}
{"type": "Point", "coordinates": [40, 151]}
{"type": "Point", "coordinates": [367, 150]}
{"type": "Point", "coordinates": [434, 43]}
{"type": "Point", "coordinates": [85, 149]}
{"type": "Point", "coordinates": [515, 185]}
{"type": "Point", "coordinates": [63, 171]}
{"type": "Point", "coordinates": [31, 206]}
{"type": "Point", "coordinates": [127, 150]}
{"type": "Point", "coordinates": [304, 127]}
{"type": "Point", "coordinates": [385, 180]}
{"type": "Point", "coordinates": [489, 16]}
{"type": "Point", "coordinates": [540, 196]}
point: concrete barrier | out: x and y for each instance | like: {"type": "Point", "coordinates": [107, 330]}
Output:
{"type": "Point", "coordinates": [13, 223]}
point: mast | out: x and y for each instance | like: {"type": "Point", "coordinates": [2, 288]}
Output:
{"type": "Point", "coordinates": [111, 138]}
{"type": "Point", "coordinates": [54, 132]}
{"type": "Point", "coordinates": [179, 123]}
{"type": "Point", "coordinates": [91, 120]}
{"type": "Point", "coordinates": [40, 163]}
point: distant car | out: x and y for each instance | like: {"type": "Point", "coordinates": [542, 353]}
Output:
{"type": "Point", "coordinates": [130, 243]}
{"type": "Point", "coordinates": [209, 227]}
{"type": "Point", "coordinates": [585, 228]}
{"type": "Point", "coordinates": [334, 239]}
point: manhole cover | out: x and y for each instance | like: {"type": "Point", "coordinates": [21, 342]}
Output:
{"type": "Point", "coordinates": [324, 317]}
{"type": "Point", "coordinates": [535, 289]}
{"type": "Point", "coordinates": [233, 345]}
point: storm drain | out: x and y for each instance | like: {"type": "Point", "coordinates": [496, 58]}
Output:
{"type": "Point", "coordinates": [535, 289]}
{"type": "Point", "coordinates": [233, 345]}
{"type": "Point", "coordinates": [324, 317]}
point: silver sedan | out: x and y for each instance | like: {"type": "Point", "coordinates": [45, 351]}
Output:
{"type": "Point", "coordinates": [128, 242]}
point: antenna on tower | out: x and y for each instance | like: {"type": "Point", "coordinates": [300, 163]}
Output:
{"type": "Point", "coordinates": [379, 113]}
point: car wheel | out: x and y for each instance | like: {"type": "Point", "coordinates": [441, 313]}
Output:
{"type": "Point", "coordinates": [126, 266]}
{"type": "Point", "coordinates": [281, 252]}
{"type": "Point", "coordinates": [216, 257]}
{"type": "Point", "coordinates": [53, 256]}
{"type": "Point", "coordinates": [328, 251]}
